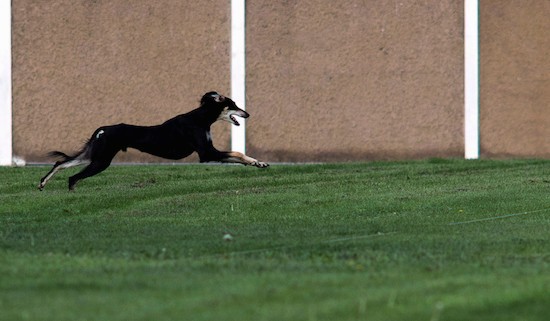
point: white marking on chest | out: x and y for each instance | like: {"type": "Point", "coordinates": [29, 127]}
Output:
{"type": "Point", "coordinates": [208, 136]}
{"type": "Point", "coordinates": [99, 133]}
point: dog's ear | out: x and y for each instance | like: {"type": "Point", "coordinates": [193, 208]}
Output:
{"type": "Point", "coordinates": [212, 96]}
{"type": "Point", "coordinates": [218, 98]}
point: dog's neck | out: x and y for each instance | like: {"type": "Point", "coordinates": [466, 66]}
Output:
{"type": "Point", "coordinates": [205, 115]}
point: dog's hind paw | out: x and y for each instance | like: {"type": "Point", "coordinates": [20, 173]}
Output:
{"type": "Point", "coordinates": [260, 164]}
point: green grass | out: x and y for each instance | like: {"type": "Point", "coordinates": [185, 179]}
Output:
{"type": "Point", "coordinates": [365, 241]}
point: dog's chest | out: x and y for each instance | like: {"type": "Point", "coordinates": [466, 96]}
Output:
{"type": "Point", "coordinates": [208, 136]}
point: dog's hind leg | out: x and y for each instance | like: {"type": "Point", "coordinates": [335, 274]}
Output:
{"type": "Point", "coordinates": [59, 166]}
{"type": "Point", "coordinates": [95, 167]}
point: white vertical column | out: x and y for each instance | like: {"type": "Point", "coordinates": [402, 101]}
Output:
{"type": "Point", "coordinates": [238, 71]}
{"type": "Point", "coordinates": [5, 84]}
{"type": "Point", "coordinates": [471, 79]}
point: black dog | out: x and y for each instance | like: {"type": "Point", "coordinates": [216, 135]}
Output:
{"type": "Point", "coordinates": [174, 139]}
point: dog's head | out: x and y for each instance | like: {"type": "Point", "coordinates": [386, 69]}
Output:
{"type": "Point", "coordinates": [226, 107]}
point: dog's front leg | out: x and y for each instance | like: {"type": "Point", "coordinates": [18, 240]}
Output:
{"type": "Point", "coordinates": [236, 157]}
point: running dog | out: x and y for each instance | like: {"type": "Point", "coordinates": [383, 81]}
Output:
{"type": "Point", "coordinates": [175, 139]}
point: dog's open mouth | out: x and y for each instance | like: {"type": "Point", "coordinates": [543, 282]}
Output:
{"type": "Point", "coordinates": [230, 116]}
{"type": "Point", "coordinates": [234, 120]}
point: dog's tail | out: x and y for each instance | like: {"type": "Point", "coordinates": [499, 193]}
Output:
{"type": "Point", "coordinates": [58, 154]}
{"type": "Point", "coordinates": [65, 158]}
{"type": "Point", "coordinates": [85, 152]}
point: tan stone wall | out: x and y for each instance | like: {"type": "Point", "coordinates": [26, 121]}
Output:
{"type": "Point", "coordinates": [515, 78]}
{"type": "Point", "coordinates": [78, 65]}
{"type": "Point", "coordinates": [355, 80]}
{"type": "Point", "coordinates": [326, 80]}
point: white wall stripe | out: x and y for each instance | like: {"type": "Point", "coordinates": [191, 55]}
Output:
{"type": "Point", "coordinates": [238, 71]}
{"type": "Point", "coordinates": [471, 79]}
{"type": "Point", "coordinates": [5, 84]}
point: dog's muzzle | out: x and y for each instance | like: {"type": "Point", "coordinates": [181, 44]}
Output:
{"type": "Point", "coordinates": [229, 116]}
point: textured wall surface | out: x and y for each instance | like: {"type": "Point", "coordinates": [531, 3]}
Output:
{"type": "Point", "coordinates": [515, 78]}
{"type": "Point", "coordinates": [78, 65]}
{"type": "Point", "coordinates": [326, 80]}
{"type": "Point", "coordinates": [355, 80]}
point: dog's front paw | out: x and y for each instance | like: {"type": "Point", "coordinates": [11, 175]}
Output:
{"type": "Point", "coordinates": [260, 164]}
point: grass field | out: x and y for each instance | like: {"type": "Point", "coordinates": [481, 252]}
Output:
{"type": "Point", "coordinates": [423, 240]}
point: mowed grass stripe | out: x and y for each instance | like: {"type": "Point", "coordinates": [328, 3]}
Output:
{"type": "Point", "coordinates": [359, 241]}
